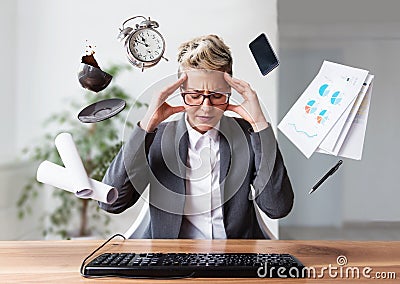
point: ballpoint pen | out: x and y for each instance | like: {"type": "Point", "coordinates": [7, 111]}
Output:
{"type": "Point", "coordinates": [328, 174]}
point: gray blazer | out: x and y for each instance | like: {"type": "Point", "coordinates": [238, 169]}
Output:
{"type": "Point", "coordinates": [247, 159]}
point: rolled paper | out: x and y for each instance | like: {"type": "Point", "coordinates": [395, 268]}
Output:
{"type": "Point", "coordinates": [60, 177]}
{"type": "Point", "coordinates": [72, 161]}
{"type": "Point", "coordinates": [103, 192]}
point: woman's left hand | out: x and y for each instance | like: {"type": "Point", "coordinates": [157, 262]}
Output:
{"type": "Point", "coordinates": [250, 108]}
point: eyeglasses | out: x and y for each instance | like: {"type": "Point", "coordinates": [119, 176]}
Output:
{"type": "Point", "coordinates": [193, 98]}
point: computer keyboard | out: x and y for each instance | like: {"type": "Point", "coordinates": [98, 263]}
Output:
{"type": "Point", "coordinates": [165, 265]}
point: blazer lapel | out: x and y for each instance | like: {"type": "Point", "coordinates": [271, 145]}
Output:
{"type": "Point", "coordinates": [174, 145]}
{"type": "Point", "coordinates": [225, 156]}
{"type": "Point", "coordinates": [234, 155]}
{"type": "Point", "coordinates": [182, 140]}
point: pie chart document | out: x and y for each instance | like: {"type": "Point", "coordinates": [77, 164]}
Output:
{"type": "Point", "coordinates": [323, 116]}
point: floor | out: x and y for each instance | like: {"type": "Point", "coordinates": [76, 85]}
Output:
{"type": "Point", "coordinates": [356, 231]}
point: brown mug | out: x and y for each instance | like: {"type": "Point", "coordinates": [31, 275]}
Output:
{"type": "Point", "coordinates": [93, 78]}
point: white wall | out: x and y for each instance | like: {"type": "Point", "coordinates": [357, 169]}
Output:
{"type": "Point", "coordinates": [49, 37]}
{"type": "Point", "coordinates": [359, 33]}
{"type": "Point", "coordinates": [8, 22]}
{"type": "Point", "coordinates": [56, 32]}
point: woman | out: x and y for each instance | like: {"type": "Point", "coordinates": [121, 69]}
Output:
{"type": "Point", "coordinates": [201, 167]}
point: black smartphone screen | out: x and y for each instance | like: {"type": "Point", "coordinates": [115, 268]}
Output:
{"type": "Point", "coordinates": [263, 54]}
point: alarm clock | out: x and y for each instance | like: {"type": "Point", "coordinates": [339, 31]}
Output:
{"type": "Point", "coordinates": [144, 45]}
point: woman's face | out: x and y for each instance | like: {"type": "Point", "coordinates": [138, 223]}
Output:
{"type": "Point", "coordinates": [206, 116]}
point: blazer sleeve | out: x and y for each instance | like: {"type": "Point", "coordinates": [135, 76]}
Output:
{"type": "Point", "coordinates": [128, 172]}
{"type": "Point", "coordinates": [274, 194]}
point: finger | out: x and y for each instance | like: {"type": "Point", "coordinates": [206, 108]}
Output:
{"type": "Point", "coordinates": [172, 88]}
{"type": "Point", "coordinates": [233, 80]}
{"type": "Point", "coordinates": [234, 108]}
{"type": "Point", "coordinates": [176, 109]}
{"type": "Point", "coordinates": [230, 80]}
{"type": "Point", "coordinates": [243, 84]}
{"type": "Point", "coordinates": [247, 91]}
{"type": "Point", "coordinates": [242, 87]}
{"type": "Point", "coordinates": [166, 110]}
{"type": "Point", "coordinates": [240, 110]}
{"type": "Point", "coordinates": [235, 85]}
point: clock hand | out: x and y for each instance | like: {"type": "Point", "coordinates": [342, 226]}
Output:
{"type": "Point", "coordinates": [145, 44]}
{"type": "Point", "coordinates": [139, 42]}
{"type": "Point", "coordinates": [144, 41]}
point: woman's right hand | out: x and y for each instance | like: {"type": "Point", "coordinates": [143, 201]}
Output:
{"type": "Point", "coordinates": [159, 110]}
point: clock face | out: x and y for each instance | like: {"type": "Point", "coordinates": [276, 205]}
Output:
{"type": "Point", "coordinates": [146, 45]}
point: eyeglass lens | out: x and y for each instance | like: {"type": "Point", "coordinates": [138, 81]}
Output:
{"type": "Point", "coordinates": [194, 98]}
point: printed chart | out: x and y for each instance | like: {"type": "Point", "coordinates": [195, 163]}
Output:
{"type": "Point", "coordinates": [328, 99]}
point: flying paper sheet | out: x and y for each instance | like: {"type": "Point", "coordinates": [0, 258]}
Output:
{"type": "Point", "coordinates": [321, 118]}
{"type": "Point", "coordinates": [354, 141]}
{"type": "Point", "coordinates": [333, 142]}
{"type": "Point", "coordinates": [73, 177]}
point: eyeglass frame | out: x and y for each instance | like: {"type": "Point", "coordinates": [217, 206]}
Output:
{"type": "Point", "coordinates": [210, 93]}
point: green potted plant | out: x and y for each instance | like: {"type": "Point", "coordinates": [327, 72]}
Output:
{"type": "Point", "coordinates": [97, 144]}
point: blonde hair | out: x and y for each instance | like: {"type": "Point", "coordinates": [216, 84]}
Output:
{"type": "Point", "coordinates": [206, 52]}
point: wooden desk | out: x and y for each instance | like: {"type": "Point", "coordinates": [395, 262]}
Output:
{"type": "Point", "coordinates": [59, 261]}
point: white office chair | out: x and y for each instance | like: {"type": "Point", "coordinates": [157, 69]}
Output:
{"type": "Point", "coordinates": [142, 221]}
{"type": "Point", "coordinates": [269, 226]}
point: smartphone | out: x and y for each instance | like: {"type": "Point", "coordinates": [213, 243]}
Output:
{"type": "Point", "coordinates": [263, 54]}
